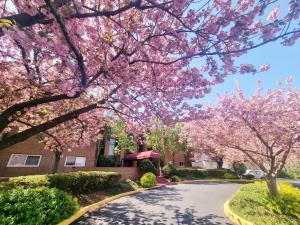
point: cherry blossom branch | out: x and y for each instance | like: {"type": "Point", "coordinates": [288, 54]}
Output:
{"type": "Point", "coordinates": [24, 57]}
{"type": "Point", "coordinates": [6, 114]}
{"type": "Point", "coordinates": [82, 130]}
{"type": "Point", "coordinates": [133, 4]}
{"type": "Point", "coordinates": [22, 136]}
{"type": "Point", "coordinates": [247, 153]}
{"type": "Point", "coordinates": [45, 132]}
{"type": "Point", "coordinates": [205, 53]}
{"type": "Point", "coordinates": [258, 135]}
{"type": "Point", "coordinates": [77, 53]}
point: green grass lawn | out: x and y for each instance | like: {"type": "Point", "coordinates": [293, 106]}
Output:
{"type": "Point", "coordinates": [253, 203]}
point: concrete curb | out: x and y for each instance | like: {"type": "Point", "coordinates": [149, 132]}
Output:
{"type": "Point", "coordinates": [88, 208]}
{"type": "Point", "coordinates": [233, 217]}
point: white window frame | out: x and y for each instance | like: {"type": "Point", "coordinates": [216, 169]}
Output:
{"type": "Point", "coordinates": [75, 161]}
{"type": "Point", "coordinates": [9, 161]}
{"type": "Point", "coordinates": [181, 163]}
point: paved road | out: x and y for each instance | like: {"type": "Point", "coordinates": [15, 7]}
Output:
{"type": "Point", "coordinates": [175, 204]}
{"type": "Point", "coordinates": [295, 182]}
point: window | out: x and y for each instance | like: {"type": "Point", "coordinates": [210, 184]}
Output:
{"type": "Point", "coordinates": [181, 163]}
{"type": "Point", "coordinates": [73, 161]}
{"type": "Point", "coordinates": [111, 146]}
{"type": "Point", "coordinates": [22, 160]}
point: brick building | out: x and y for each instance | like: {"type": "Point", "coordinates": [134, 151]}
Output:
{"type": "Point", "coordinates": [179, 159]}
{"type": "Point", "coordinates": [29, 157]}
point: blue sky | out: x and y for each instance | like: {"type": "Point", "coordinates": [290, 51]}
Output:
{"type": "Point", "coordinates": [284, 61]}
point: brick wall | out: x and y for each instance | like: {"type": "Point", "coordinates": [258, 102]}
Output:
{"type": "Point", "coordinates": [179, 157]}
{"type": "Point", "coordinates": [88, 152]}
{"type": "Point", "coordinates": [32, 147]}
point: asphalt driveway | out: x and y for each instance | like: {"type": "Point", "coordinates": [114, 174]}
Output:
{"type": "Point", "coordinates": [175, 204]}
{"type": "Point", "coordinates": [295, 182]}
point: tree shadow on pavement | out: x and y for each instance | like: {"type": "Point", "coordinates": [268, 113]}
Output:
{"type": "Point", "coordinates": [124, 214]}
{"type": "Point", "coordinates": [188, 218]}
{"type": "Point", "coordinates": [157, 206]}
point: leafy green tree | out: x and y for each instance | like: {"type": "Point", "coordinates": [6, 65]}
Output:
{"type": "Point", "coordinates": [125, 141]}
{"type": "Point", "coordinates": [156, 136]}
{"type": "Point", "coordinates": [164, 138]}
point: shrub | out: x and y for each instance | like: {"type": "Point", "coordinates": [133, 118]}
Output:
{"type": "Point", "coordinates": [288, 203]}
{"type": "Point", "coordinates": [30, 181]}
{"type": "Point", "coordinates": [230, 176]}
{"type": "Point", "coordinates": [148, 180]}
{"type": "Point", "coordinates": [83, 182]}
{"type": "Point", "coordinates": [37, 206]}
{"type": "Point", "coordinates": [291, 172]}
{"type": "Point", "coordinates": [248, 176]}
{"type": "Point", "coordinates": [169, 170]}
{"type": "Point", "coordinates": [239, 168]}
{"type": "Point", "coordinates": [147, 166]}
{"type": "Point", "coordinates": [133, 185]}
{"type": "Point", "coordinates": [254, 204]}
{"type": "Point", "coordinates": [175, 178]}
{"type": "Point", "coordinates": [74, 182]}
{"type": "Point", "coordinates": [190, 173]}
{"type": "Point", "coordinates": [105, 161]}
{"type": "Point", "coordinates": [285, 174]}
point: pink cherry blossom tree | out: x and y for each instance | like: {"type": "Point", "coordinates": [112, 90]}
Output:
{"type": "Point", "coordinates": [263, 129]}
{"type": "Point", "coordinates": [68, 67]}
{"type": "Point", "coordinates": [200, 136]}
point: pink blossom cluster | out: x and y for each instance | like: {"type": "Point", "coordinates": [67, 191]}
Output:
{"type": "Point", "coordinates": [262, 131]}
{"type": "Point", "coordinates": [247, 68]}
{"type": "Point", "coordinates": [265, 67]}
{"type": "Point", "coordinates": [274, 14]}
{"type": "Point", "coordinates": [123, 60]}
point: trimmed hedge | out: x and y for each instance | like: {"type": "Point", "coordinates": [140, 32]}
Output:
{"type": "Point", "coordinates": [148, 180]}
{"type": "Point", "coordinates": [73, 182]}
{"type": "Point", "coordinates": [32, 181]}
{"type": "Point", "coordinates": [190, 173]}
{"type": "Point", "coordinates": [230, 176]}
{"type": "Point", "coordinates": [38, 206]}
{"type": "Point", "coordinates": [248, 176]}
{"type": "Point", "coordinates": [83, 182]}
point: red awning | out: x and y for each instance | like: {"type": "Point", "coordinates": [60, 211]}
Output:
{"type": "Point", "coordinates": [142, 155]}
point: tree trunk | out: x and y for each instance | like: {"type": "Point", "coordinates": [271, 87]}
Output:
{"type": "Point", "coordinates": [219, 161]}
{"type": "Point", "coordinates": [272, 185]}
{"type": "Point", "coordinates": [173, 158]}
{"type": "Point", "coordinates": [56, 162]}
{"type": "Point", "coordinates": [186, 160]}
{"type": "Point", "coordinates": [97, 152]}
